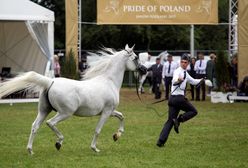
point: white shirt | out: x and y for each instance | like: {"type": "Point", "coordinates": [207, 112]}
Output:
{"type": "Point", "coordinates": [200, 66]}
{"type": "Point", "coordinates": [179, 72]}
{"type": "Point", "coordinates": [173, 67]}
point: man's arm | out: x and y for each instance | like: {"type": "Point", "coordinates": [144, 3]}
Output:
{"type": "Point", "coordinates": [193, 81]}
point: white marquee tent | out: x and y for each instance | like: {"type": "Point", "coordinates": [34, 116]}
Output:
{"type": "Point", "coordinates": [26, 36]}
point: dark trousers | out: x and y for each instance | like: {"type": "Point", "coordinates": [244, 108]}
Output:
{"type": "Point", "coordinates": [156, 87]}
{"type": "Point", "coordinates": [176, 103]}
{"type": "Point", "coordinates": [192, 90]}
{"type": "Point", "coordinates": [149, 80]}
{"type": "Point", "coordinates": [201, 87]}
{"type": "Point", "coordinates": [167, 83]}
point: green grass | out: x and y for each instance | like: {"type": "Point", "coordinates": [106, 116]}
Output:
{"type": "Point", "coordinates": [216, 138]}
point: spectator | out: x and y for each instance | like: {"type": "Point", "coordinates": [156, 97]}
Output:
{"type": "Point", "coordinates": [56, 66]}
{"type": "Point", "coordinates": [234, 71]}
{"type": "Point", "coordinates": [243, 87]}
{"type": "Point", "coordinates": [156, 77]}
{"type": "Point", "coordinates": [168, 68]}
{"type": "Point", "coordinates": [200, 68]}
{"type": "Point", "coordinates": [192, 73]}
{"type": "Point", "coordinates": [210, 70]}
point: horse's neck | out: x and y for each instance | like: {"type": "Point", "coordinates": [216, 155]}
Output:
{"type": "Point", "coordinates": [116, 71]}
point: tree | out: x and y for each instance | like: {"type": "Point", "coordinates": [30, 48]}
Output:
{"type": "Point", "coordinates": [69, 67]}
{"type": "Point", "coordinates": [58, 7]}
{"type": "Point", "coordinates": [222, 71]}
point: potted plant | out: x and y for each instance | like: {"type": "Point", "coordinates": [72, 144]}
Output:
{"type": "Point", "coordinates": [222, 71]}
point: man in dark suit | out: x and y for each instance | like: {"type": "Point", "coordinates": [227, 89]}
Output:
{"type": "Point", "coordinates": [156, 77]}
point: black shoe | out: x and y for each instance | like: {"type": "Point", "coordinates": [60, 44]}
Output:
{"type": "Point", "coordinates": [160, 144]}
{"type": "Point", "coordinates": [176, 125]}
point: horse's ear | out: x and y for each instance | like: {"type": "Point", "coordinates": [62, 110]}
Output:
{"type": "Point", "coordinates": [126, 47]}
{"type": "Point", "coordinates": [133, 46]}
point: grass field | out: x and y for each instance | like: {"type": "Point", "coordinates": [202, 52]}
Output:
{"type": "Point", "coordinates": [216, 138]}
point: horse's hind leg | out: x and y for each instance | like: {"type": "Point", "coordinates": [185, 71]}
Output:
{"type": "Point", "coordinates": [121, 128]}
{"type": "Point", "coordinates": [52, 124]}
{"type": "Point", "coordinates": [43, 111]}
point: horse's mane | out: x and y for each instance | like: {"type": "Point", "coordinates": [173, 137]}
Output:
{"type": "Point", "coordinates": [100, 66]}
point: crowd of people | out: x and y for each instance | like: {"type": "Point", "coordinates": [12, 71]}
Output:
{"type": "Point", "coordinates": [199, 67]}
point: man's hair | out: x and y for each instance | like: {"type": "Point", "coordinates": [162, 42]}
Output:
{"type": "Point", "coordinates": [185, 57]}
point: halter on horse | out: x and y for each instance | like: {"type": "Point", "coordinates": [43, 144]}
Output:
{"type": "Point", "coordinates": [97, 94]}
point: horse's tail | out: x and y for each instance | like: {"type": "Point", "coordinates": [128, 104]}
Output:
{"type": "Point", "coordinates": [27, 81]}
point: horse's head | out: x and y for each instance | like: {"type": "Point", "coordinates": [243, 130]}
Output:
{"type": "Point", "coordinates": [133, 62]}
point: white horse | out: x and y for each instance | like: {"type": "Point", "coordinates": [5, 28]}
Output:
{"type": "Point", "coordinates": [147, 61]}
{"type": "Point", "coordinates": [97, 94]}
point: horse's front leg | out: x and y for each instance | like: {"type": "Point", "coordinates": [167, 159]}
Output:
{"type": "Point", "coordinates": [98, 129]}
{"type": "Point", "coordinates": [121, 128]}
{"type": "Point", "coordinates": [141, 81]}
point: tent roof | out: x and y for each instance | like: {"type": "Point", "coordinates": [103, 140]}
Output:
{"type": "Point", "coordinates": [24, 10]}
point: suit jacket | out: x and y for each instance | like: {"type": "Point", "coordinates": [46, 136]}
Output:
{"type": "Point", "coordinates": [156, 72]}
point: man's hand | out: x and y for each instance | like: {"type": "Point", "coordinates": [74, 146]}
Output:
{"type": "Point", "coordinates": [178, 82]}
{"type": "Point", "coordinates": [180, 79]}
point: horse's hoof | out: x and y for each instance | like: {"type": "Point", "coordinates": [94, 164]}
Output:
{"type": "Point", "coordinates": [58, 145]}
{"type": "Point", "coordinates": [115, 137]}
{"type": "Point", "coordinates": [95, 149]}
{"type": "Point", "coordinates": [30, 151]}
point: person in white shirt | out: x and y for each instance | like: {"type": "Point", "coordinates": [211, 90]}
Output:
{"type": "Point", "coordinates": [177, 101]}
{"type": "Point", "coordinates": [169, 67]}
{"type": "Point", "coordinates": [200, 68]}
{"type": "Point", "coordinates": [192, 73]}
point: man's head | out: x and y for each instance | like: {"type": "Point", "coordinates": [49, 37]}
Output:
{"type": "Point", "coordinates": [234, 60]}
{"type": "Point", "coordinates": [200, 56]}
{"type": "Point", "coordinates": [157, 60]}
{"type": "Point", "coordinates": [245, 82]}
{"type": "Point", "coordinates": [212, 56]}
{"type": "Point", "coordinates": [169, 57]}
{"type": "Point", "coordinates": [184, 61]}
{"type": "Point", "coordinates": [193, 60]}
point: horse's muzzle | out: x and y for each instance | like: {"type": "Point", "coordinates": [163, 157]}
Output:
{"type": "Point", "coordinates": [142, 69]}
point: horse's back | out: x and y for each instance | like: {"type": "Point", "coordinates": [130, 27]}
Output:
{"type": "Point", "coordinates": [82, 98]}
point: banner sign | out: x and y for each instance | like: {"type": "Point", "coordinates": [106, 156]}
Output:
{"type": "Point", "coordinates": [71, 39]}
{"type": "Point", "coordinates": [157, 12]}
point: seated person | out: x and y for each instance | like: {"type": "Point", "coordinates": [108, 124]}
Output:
{"type": "Point", "coordinates": [5, 72]}
{"type": "Point", "coordinates": [243, 87]}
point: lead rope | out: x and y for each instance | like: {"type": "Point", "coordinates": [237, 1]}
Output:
{"type": "Point", "coordinates": [148, 106]}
